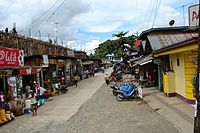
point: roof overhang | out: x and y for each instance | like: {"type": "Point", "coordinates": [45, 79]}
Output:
{"type": "Point", "coordinates": [144, 60]}
{"type": "Point", "coordinates": [87, 62]}
{"type": "Point", "coordinates": [177, 48]}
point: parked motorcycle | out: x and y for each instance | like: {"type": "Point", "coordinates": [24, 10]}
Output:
{"type": "Point", "coordinates": [128, 91]}
{"type": "Point", "coordinates": [116, 77]}
{"type": "Point", "coordinates": [121, 87]}
{"type": "Point", "coordinates": [114, 89]}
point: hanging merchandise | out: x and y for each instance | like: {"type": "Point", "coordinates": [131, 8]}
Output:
{"type": "Point", "coordinates": [12, 82]}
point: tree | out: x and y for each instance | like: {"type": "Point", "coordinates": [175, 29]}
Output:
{"type": "Point", "coordinates": [120, 47]}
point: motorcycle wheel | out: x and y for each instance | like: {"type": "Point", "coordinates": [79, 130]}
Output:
{"type": "Point", "coordinates": [114, 93]}
{"type": "Point", "coordinates": [119, 98]}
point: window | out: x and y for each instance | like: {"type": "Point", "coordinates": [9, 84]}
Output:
{"type": "Point", "coordinates": [166, 64]}
{"type": "Point", "coordinates": [178, 63]}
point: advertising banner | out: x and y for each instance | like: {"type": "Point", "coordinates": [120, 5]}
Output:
{"type": "Point", "coordinates": [194, 15]}
{"type": "Point", "coordinates": [9, 57]}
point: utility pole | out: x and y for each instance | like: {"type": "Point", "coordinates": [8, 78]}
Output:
{"type": "Point", "coordinates": [184, 14]}
{"type": "Point", "coordinates": [39, 35]}
{"type": "Point", "coordinates": [197, 108]}
{"type": "Point", "coordinates": [57, 31]}
{"type": "Point", "coordinates": [29, 32]}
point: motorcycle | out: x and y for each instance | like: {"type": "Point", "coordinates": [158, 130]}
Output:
{"type": "Point", "coordinates": [114, 88]}
{"type": "Point", "coordinates": [128, 91]}
{"type": "Point", "coordinates": [61, 88]}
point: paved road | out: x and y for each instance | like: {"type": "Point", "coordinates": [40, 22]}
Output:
{"type": "Point", "coordinates": [91, 108]}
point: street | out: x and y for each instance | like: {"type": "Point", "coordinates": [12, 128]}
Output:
{"type": "Point", "coordinates": [91, 108]}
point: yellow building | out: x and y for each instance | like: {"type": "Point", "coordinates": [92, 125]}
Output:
{"type": "Point", "coordinates": [179, 62]}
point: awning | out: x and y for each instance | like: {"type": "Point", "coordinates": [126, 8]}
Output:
{"type": "Point", "coordinates": [87, 62]}
{"type": "Point", "coordinates": [135, 59]}
{"type": "Point", "coordinates": [145, 60]}
{"type": "Point", "coordinates": [29, 70]}
{"type": "Point", "coordinates": [5, 72]}
{"type": "Point", "coordinates": [134, 65]}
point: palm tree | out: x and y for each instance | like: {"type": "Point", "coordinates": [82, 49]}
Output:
{"type": "Point", "coordinates": [120, 34]}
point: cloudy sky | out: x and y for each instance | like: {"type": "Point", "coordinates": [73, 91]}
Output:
{"type": "Point", "coordinates": [83, 24]}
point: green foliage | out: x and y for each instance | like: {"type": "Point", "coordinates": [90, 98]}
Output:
{"type": "Point", "coordinates": [119, 47]}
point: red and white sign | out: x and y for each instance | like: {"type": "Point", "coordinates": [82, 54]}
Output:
{"type": "Point", "coordinates": [9, 57]}
{"type": "Point", "coordinates": [29, 71]}
{"type": "Point", "coordinates": [194, 15]}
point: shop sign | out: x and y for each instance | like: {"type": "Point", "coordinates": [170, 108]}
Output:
{"type": "Point", "coordinates": [28, 71]}
{"type": "Point", "coordinates": [70, 53]}
{"type": "Point", "coordinates": [194, 15]}
{"type": "Point", "coordinates": [45, 61]}
{"type": "Point", "coordinates": [9, 57]}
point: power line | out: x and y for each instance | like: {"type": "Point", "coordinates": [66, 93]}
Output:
{"type": "Point", "coordinates": [44, 24]}
{"type": "Point", "coordinates": [156, 13]}
{"type": "Point", "coordinates": [188, 4]}
{"type": "Point", "coordinates": [40, 16]}
{"type": "Point", "coordinates": [183, 9]}
{"type": "Point", "coordinates": [153, 7]}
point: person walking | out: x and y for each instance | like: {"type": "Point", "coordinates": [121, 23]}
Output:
{"type": "Point", "coordinates": [106, 78]}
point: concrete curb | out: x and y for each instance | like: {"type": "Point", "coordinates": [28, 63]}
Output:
{"type": "Point", "coordinates": [179, 118]}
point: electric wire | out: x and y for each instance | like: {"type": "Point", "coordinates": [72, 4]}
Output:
{"type": "Point", "coordinates": [152, 10]}
{"type": "Point", "coordinates": [36, 20]}
{"type": "Point", "coordinates": [48, 19]}
{"type": "Point", "coordinates": [158, 7]}
{"type": "Point", "coordinates": [188, 4]}
{"type": "Point", "coordinates": [183, 9]}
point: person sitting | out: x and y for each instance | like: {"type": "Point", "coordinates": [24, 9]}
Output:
{"type": "Point", "coordinates": [14, 31]}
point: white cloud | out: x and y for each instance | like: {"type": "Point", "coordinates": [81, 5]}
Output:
{"type": "Point", "coordinates": [94, 16]}
{"type": "Point", "coordinates": [90, 46]}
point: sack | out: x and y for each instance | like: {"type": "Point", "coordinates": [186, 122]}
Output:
{"type": "Point", "coordinates": [3, 115]}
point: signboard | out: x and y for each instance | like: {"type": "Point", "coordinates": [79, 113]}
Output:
{"type": "Point", "coordinates": [9, 57]}
{"type": "Point", "coordinates": [29, 71]}
{"type": "Point", "coordinates": [194, 15]}
{"type": "Point", "coordinates": [70, 53]}
{"type": "Point", "coordinates": [45, 61]}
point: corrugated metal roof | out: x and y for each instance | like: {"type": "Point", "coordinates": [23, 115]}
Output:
{"type": "Point", "coordinates": [144, 60]}
{"type": "Point", "coordinates": [87, 62]}
{"type": "Point", "coordinates": [160, 41]}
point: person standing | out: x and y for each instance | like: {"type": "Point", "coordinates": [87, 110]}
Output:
{"type": "Point", "coordinates": [33, 104]}
{"type": "Point", "coordinates": [76, 79]}
{"type": "Point", "coordinates": [36, 87]}
{"type": "Point", "coordinates": [27, 91]}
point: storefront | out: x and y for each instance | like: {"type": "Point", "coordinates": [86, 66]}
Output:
{"type": "Point", "coordinates": [10, 61]}
{"type": "Point", "coordinates": [29, 74]}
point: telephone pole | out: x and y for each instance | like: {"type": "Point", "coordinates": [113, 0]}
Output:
{"type": "Point", "coordinates": [57, 31]}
